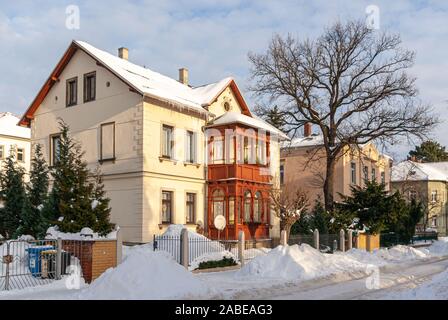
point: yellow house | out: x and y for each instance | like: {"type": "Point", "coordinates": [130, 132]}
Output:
{"type": "Point", "coordinates": [303, 164]}
{"type": "Point", "coordinates": [428, 183]}
{"type": "Point", "coordinates": [148, 134]}
{"type": "Point", "coordinates": [14, 138]}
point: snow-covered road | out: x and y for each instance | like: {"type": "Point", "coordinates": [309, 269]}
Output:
{"type": "Point", "coordinates": [392, 280]}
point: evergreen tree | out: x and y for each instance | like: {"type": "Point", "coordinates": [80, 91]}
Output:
{"type": "Point", "coordinates": [100, 206]}
{"type": "Point", "coordinates": [321, 218]}
{"type": "Point", "coordinates": [275, 118]}
{"type": "Point", "coordinates": [12, 195]}
{"type": "Point", "coordinates": [70, 204]}
{"type": "Point", "coordinates": [33, 221]}
{"type": "Point", "coordinates": [429, 151]}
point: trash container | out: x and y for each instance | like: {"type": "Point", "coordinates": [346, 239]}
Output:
{"type": "Point", "coordinates": [34, 259]}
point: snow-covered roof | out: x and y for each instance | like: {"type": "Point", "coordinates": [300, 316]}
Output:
{"type": "Point", "coordinates": [416, 171]}
{"type": "Point", "coordinates": [254, 121]}
{"type": "Point", "coordinates": [312, 140]}
{"type": "Point", "coordinates": [9, 127]}
{"type": "Point", "coordinates": [155, 84]}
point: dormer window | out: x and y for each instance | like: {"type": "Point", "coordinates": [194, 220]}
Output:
{"type": "Point", "coordinates": [72, 92]}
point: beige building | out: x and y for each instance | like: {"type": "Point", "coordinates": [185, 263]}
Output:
{"type": "Point", "coordinates": [426, 182]}
{"type": "Point", "coordinates": [14, 138]}
{"type": "Point", "coordinates": [303, 164]}
{"type": "Point", "coordinates": [146, 131]}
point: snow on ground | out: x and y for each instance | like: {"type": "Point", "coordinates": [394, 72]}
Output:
{"type": "Point", "coordinates": [298, 263]}
{"type": "Point", "coordinates": [146, 274]}
{"type": "Point", "coordinates": [434, 289]}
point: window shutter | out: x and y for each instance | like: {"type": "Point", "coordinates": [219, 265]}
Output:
{"type": "Point", "coordinates": [195, 146]}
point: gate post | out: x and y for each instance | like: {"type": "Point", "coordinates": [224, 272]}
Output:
{"type": "Point", "coordinates": [119, 244]}
{"type": "Point", "coordinates": [58, 259]}
{"type": "Point", "coordinates": [241, 243]}
{"type": "Point", "coordinates": [342, 240]}
{"type": "Point", "coordinates": [184, 248]}
{"type": "Point", "coordinates": [349, 239]}
{"type": "Point", "coordinates": [283, 240]}
{"type": "Point", "coordinates": [316, 239]}
{"type": "Point", "coordinates": [7, 267]}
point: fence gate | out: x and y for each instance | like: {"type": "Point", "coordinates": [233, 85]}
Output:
{"type": "Point", "coordinates": [28, 263]}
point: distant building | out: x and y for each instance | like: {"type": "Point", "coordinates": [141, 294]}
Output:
{"type": "Point", "coordinates": [14, 138]}
{"type": "Point", "coordinates": [303, 164]}
{"type": "Point", "coordinates": [426, 182]}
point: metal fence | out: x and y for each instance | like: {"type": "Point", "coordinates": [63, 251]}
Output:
{"type": "Point", "coordinates": [392, 239]}
{"type": "Point", "coordinates": [328, 243]}
{"type": "Point", "coordinates": [199, 247]}
{"type": "Point", "coordinates": [27, 263]}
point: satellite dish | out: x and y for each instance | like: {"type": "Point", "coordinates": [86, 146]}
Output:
{"type": "Point", "coordinates": [220, 222]}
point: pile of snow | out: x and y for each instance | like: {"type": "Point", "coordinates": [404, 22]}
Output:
{"type": "Point", "coordinates": [437, 248]}
{"type": "Point", "coordinates": [84, 234]}
{"type": "Point", "coordinates": [366, 257]}
{"type": "Point", "coordinates": [400, 253]}
{"type": "Point", "coordinates": [146, 274]}
{"type": "Point", "coordinates": [299, 263]}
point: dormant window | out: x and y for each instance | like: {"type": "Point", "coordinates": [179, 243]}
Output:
{"type": "Point", "coordinates": [218, 150]}
{"type": "Point", "coordinates": [353, 172]}
{"type": "Point", "coordinates": [190, 147]}
{"type": "Point", "coordinates": [72, 92]}
{"type": "Point", "coordinates": [167, 206]}
{"type": "Point", "coordinates": [20, 154]}
{"type": "Point", "coordinates": [247, 206]}
{"type": "Point", "coordinates": [107, 147]}
{"type": "Point", "coordinates": [167, 141]}
{"type": "Point", "coordinates": [365, 171]}
{"type": "Point", "coordinates": [191, 207]}
{"type": "Point", "coordinates": [373, 174]}
{"type": "Point", "coordinates": [434, 196]}
{"type": "Point", "coordinates": [55, 148]}
{"type": "Point", "coordinates": [282, 172]}
{"type": "Point", "coordinates": [89, 86]}
{"type": "Point", "coordinates": [218, 203]}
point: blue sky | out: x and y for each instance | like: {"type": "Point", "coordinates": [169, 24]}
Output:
{"type": "Point", "coordinates": [210, 37]}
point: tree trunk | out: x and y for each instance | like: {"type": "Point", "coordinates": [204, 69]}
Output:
{"type": "Point", "coordinates": [328, 184]}
{"type": "Point", "coordinates": [287, 228]}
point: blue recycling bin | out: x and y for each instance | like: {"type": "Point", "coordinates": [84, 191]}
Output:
{"type": "Point", "coordinates": [34, 259]}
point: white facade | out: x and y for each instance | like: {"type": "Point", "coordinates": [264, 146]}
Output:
{"type": "Point", "coordinates": [14, 139]}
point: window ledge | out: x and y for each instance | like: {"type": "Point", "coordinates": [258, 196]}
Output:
{"type": "Point", "coordinates": [101, 161]}
{"type": "Point", "coordinates": [164, 224]}
{"type": "Point", "coordinates": [161, 159]}
{"type": "Point", "coordinates": [197, 165]}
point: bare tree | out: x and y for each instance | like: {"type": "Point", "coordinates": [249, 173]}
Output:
{"type": "Point", "coordinates": [288, 205]}
{"type": "Point", "coordinates": [350, 82]}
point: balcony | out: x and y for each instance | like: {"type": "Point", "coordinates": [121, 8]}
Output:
{"type": "Point", "coordinates": [247, 172]}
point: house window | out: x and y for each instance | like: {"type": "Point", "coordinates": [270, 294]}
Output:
{"type": "Point", "coordinates": [257, 207]}
{"type": "Point", "coordinates": [218, 150]}
{"type": "Point", "coordinates": [373, 174]}
{"type": "Point", "coordinates": [167, 206]}
{"type": "Point", "coordinates": [231, 219]}
{"type": "Point", "coordinates": [434, 196]}
{"type": "Point", "coordinates": [72, 92]}
{"type": "Point", "coordinates": [383, 177]}
{"type": "Point", "coordinates": [353, 172]}
{"type": "Point", "coordinates": [412, 195]}
{"type": "Point", "coordinates": [107, 147]}
{"type": "Point", "coordinates": [246, 150]}
{"type": "Point", "coordinates": [190, 147]}
{"type": "Point", "coordinates": [167, 142]}
{"type": "Point", "coordinates": [434, 222]}
{"type": "Point", "coordinates": [55, 146]}
{"type": "Point", "coordinates": [2, 152]}
{"type": "Point", "coordinates": [247, 206]}
{"type": "Point", "coordinates": [261, 152]}
{"type": "Point", "coordinates": [282, 172]}
{"type": "Point", "coordinates": [20, 154]}
{"type": "Point", "coordinates": [365, 171]}
{"type": "Point", "coordinates": [89, 86]}
{"type": "Point", "coordinates": [230, 149]}
{"type": "Point", "coordinates": [191, 207]}
{"type": "Point", "coordinates": [218, 203]}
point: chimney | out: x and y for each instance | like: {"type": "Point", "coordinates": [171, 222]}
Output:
{"type": "Point", "coordinates": [307, 129]}
{"type": "Point", "coordinates": [183, 76]}
{"type": "Point", "coordinates": [123, 53]}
